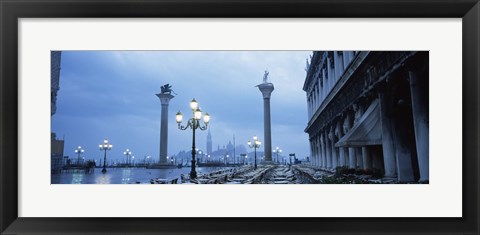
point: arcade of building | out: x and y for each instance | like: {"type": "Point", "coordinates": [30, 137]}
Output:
{"type": "Point", "coordinates": [369, 110]}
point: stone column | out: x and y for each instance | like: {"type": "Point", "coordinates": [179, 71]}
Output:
{"type": "Point", "coordinates": [319, 151]}
{"type": "Point", "coordinates": [308, 106]}
{"type": "Point", "coordinates": [311, 151]}
{"type": "Point", "coordinates": [367, 158]}
{"type": "Point", "coordinates": [315, 147]}
{"type": "Point", "coordinates": [353, 159]}
{"type": "Point", "coordinates": [419, 93]}
{"type": "Point", "coordinates": [388, 147]}
{"type": "Point", "coordinates": [312, 158]}
{"type": "Point", "coordinates": [315, 153]}
{"type": "Point", "coordinates": [331, 136]}
{"type": "Point", "coordinates": [266, 89]}
{"type": "Point", "coordinates": [328, 149]}
{"type": "Point", "coordinates": [346, 58]}
{"type": "Point", "coordinates": [341, 150]}
{"type": "Point", "coordinates": [165, 100]}
{"type": "Point", "coordinates": [359, 110]}
{"type": "Point", "coordinates": [402, 145]}
{"type": "Point", "coordinates": [343, 154]}
{"type": "Point", "coordinates": [319, 94]}
{"type": "Point", "coordinates": [359, 155]}
{"type": "Point", "coordinates": [314, 99]}
{"type": "Point", "coordinates": [338, 55]}
{"type": "Point", "coordinates": [347, 125]}
{"type": "Point", "coordinates": [324, 87]}
{"type": "Point", "coordinates": [331, 70]}
{"type": "Point", "coordinates": [324, 150]}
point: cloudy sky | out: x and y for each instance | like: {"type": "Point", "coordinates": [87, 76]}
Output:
{"type": "Point", "coordinates": [111, 94]}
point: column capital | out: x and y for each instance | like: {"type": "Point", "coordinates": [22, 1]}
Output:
{"type": "Point", "coordinates": [165, 98]}
{"type": "Point", "coordinates": [266, 89]}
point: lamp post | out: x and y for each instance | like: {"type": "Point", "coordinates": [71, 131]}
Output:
{"type": "Point", "coordinates": [256, 144]}
{"type": "Point", "coordinates": [127, 154]}
{"type": "Point", "coordinates": [193, 123]}
{"type": "Point", "coordinates": [277, 150]}
{"type": "Point", "coordinates": [79, 151]}
{"type": "Point", "coordinates": [105, 146]}
{"type": "Point", "coordinates": [146, 161]}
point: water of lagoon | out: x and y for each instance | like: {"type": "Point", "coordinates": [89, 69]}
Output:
{"type": "Point", "coordinates": [125, 175]}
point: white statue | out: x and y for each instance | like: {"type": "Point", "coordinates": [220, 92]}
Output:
{"type": "Point", "coordinates": [265, 77]}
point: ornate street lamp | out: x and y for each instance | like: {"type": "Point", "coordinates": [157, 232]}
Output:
{"type": "Point", "coordinates": [79, 151]}
{"type": "Point", "coordinates": [127, 154]}
{"type": "Point", "coordinates": [277, 150]}
{"type": "Point", "coordinates": [193, 123]}
{"type": "Point", "coordinates": [256, 144]}
{"type": "Point", "coordinates": [105, 146]}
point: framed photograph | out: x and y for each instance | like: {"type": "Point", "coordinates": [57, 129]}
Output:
{"type": "Point", "coordinates": [239, 117]}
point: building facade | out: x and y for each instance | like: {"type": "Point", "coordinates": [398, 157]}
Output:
{"type": "Point", "coordinates": [57, 145]}
{"type": "Point", "coordinates": [57, 149]}
{"type": "Point", "coordinates": [55, 58]}
{"type": "Point", "coordinates": [369, 110]}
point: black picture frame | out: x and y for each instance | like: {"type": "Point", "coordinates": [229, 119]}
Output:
{"type": "Point", "coordinates": [12, 10]}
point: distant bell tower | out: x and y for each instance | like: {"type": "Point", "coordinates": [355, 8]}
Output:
{"type": "Point", "coordinates": [209, 142]}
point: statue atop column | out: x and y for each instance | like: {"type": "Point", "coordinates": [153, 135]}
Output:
{"type": "Point", "coordinates": [266, 88]}
{"type": "Point", "coordinates": [265, 77]}
{"type": "Point", "coordinates": [165, 96]}
{"type": "Point", "coordinates": [167, 89]}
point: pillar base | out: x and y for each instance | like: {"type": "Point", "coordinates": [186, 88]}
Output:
{"type": "Point", "coordinates": [268, 163]}
{"type": "Point", "coordinates": [162, 166]}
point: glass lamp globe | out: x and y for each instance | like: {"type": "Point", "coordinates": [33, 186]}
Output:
{"type": "Point", "coordinates": [193, 104]}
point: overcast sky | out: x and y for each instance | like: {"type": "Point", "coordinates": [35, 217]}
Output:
{"type": "Point", "coordinates": [111, 94]}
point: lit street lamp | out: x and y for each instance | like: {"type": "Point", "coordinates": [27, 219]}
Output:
{"type": "Point", "coordinates": [105, 146]}
{"type": "Point", "coordinates": [193, 123]}
{"type": "Point", "coordinates": [277, 150]}
{"type": "Point", "coordinates": [127, 154]}
{"type": "Point", "coordinates": [146, 160]}
{"type": "Point", "coordinates": [256, 144]}
{"type": "Point", "coordinates": [79, 151]}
